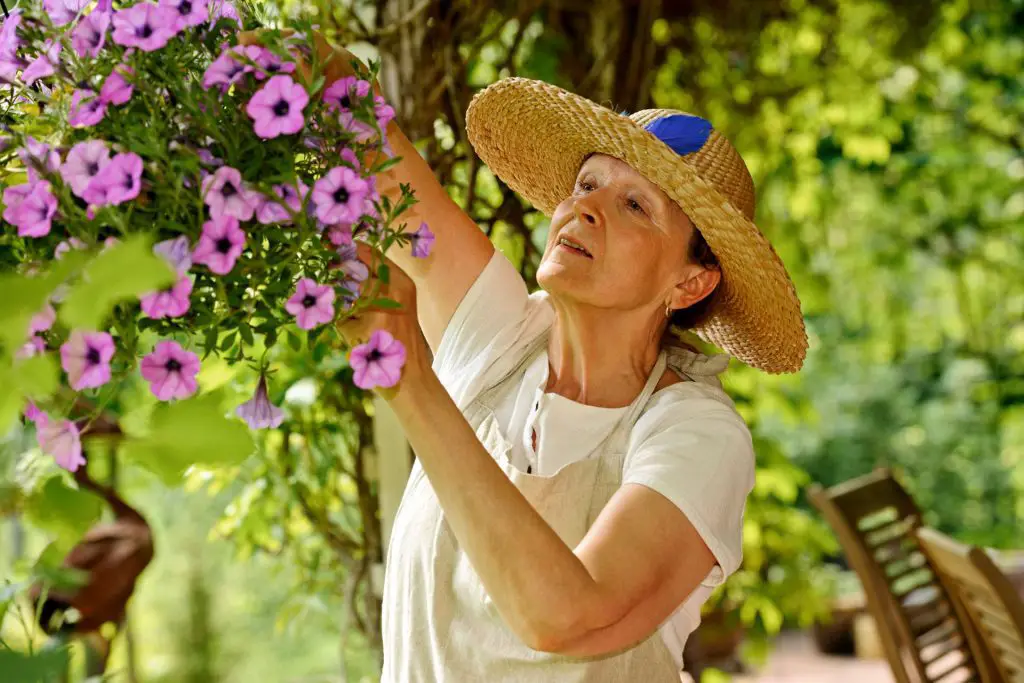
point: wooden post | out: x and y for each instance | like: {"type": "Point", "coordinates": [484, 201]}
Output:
{"type": "Point", "coordinates": [394, 460]}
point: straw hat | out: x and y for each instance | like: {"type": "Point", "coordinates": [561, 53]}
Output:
{"type": "Point", "coordinates": [535, 136]}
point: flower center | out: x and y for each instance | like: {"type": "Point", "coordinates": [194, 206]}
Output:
{"type": "Point", "coordinates": [229, 190]}
{"type": "Point", "coordinates": [374, 355]}
{"type": "Point", "coordinates": [309, 301]}
{"type": "Point", "coordinates": [345, 101]}
{"type": "Point", "coordinates": [144, 31]}
{"type": "Point", "coordinates": [92, 168]}
{"type": "Point", "coordinates": [223, 245]}
{"type": "Point", "coordinates": [281, 108]}
{"type": "Point", "coordinates": [185, 8]}
{"type": "Point", "coordinates": [341, 195]}
{"type": "Point", "coordinates": [172, 365]}
{"type": "Point", "coordinates": [93, 356]}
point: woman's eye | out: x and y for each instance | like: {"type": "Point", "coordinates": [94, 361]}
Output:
{"type": "Point", "coordinates": [585, 186]}
{"type": "Point", "coordinates": [634, 206]}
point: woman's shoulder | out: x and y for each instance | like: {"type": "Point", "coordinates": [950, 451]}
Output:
{"type": "Point", "coordinates": [695, 408]}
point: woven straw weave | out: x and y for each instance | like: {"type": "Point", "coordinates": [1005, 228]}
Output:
{"type": "Point", "coordinates": [534, 136]}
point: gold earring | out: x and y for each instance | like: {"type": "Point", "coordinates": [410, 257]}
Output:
{"type": "Point", "coordinates": [668, 311]}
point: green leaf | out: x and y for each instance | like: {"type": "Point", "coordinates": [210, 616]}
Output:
{"type": "Point", "coordinates": [385, 303]}
{"type": "Point", "coordinates": [384, 273]}
{"type": "Point", "coordinates": [294, 341]}
{"type": "Point", "coordinates": [62, 510]}
{"type": "Point", "coordinates": [10, 401]}
{"type": "Point", "coordinates": [37, 377]}
{"type": "Point", "coordinates": [119, 273]}
{"type": "Point", "coordinates": [45, 666]}
{"type": "Point", "coordinates": [190, 432]}
{"type": "Point", "coordinates": [25, 296]}
{"type": "Point", "coordinates": [246, 333]}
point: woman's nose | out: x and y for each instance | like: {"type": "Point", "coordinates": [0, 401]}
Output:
{"type": "Point", "coordinates": [586, 210]}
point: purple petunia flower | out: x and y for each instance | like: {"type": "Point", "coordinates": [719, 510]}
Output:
{"type": "Point", "coordinates": [60, 439]}
{"type": "Point", "coordinates": [116, 88]}
{"type": "Point", "coordinates": [90, 34]}
{"type": "Point", "coordinates": [171, 371]}
{"type": "Point", "coordinates": [85, 356]}
{"type": "Point", "coordinates": [44, 65]}
{"type": "Point", "coordinates": [258, 411]}
{"type": "Point", "coordinates": [146, 26]}
{"type": "Point", "coordinates": [177, 252]}
{"type": "Point", "coordinates": [64, 246]}
{"type": "Point", "coordinates": [43, 320]}
{"type": "Point", "coordinates": [10, 41]}
{"type": "Point", "coordinates": [226, 194]}
{"type": "Point", "coordinates": [422, 241]}
{"type": "Point", "coordinates": [170, 302]}
{"type": "Point", "coordinates": [84, 162]}
{"type": "Point", "coordinates": [187, 13]}
{"type": "Point", "coordinates": [31, 207]}
{"type": "Point", "coordinates": [339, 196]}
{"type": "Point", "coordinates": [271, 64]}
{"type": "Point", "coordinates": [379, 362]}
{"type": "Point", "coordinates": [223, 9]}
{"type": "Point", "coordinates": [312, 304]}
{"type": "Point", "coordinates": [38, 156]}
{"type": "Point", "coordinates": [340, 234]}
{"type": "Point", "coordinates": [63, 12]}
{"type": "Point", "coordinates": [277, 108]}
{"type": "Point", "coordinates": [87, 109]}
{"type": "Point", "coordinates": [32, 412]}
{"type": "Point", "coordinates": [385, 112]}
{"type": "Point", "coordinates": [117, 182]}
{"type": "Point", "coordinates": [271, 210]}
{"type": "Point", "coordinates": [344, 93]}
{"type": "Point", "coordinates": [354, 271]}
{"type": "Point", "coordinates": [220, 244]}
{"type": "Point", "coordinates": [227, 69]}
{"type": "Point", "coordinates": [33, 347]}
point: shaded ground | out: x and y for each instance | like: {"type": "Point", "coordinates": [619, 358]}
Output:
{"type": "Point", "coordinates": [795, 660]}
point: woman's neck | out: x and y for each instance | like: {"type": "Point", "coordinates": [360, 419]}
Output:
{"type": "Point", "coordinates": [601, 357]}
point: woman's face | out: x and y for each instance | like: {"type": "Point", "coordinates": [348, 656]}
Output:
{"type": "Point", "coordinates": [619, 242]}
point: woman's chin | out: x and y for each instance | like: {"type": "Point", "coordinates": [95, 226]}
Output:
{"type": "Point", "coordinates": [555, 277]}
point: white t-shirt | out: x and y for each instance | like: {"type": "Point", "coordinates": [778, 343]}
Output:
{"type": "Point", "coordinates": [690, 444]}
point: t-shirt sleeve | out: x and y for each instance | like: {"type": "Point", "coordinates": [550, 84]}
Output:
{"type": "Point", "coordinates": [698, 453]}
{"type": "Point", "coordinates": [492, 320]}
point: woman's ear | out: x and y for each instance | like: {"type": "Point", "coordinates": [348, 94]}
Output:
{"type": "Point", "coordinates": [699, 283]}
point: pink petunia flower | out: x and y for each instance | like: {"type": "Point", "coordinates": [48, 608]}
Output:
{"type": "Point", "coordinates": [312, 304]}
{"type": "Point", "coordinates": [31, 207]}
{"type": "Point", "coordinates": [385, 112]}
{"type": "Point", "coordinates": [422, 241]}
{"type": "Point", "coordinates": [226, 194]}
{"type": "Point", "coordinates": [84, 162]}
{"type": "Point", "coordinates": [223, 9]}
{"type": "Point", "coordinates": [271, 64]}
{"type": "Point", "coordinates": [38, 157]}
{"type": "Point", "coordinates": [146, 26]}
{"type": "Point", "coordinates": [63, 12]}
{"type": "Point", "coordinates": [90, 35]}
{"type": "Point", "coordinates": [85, 356]}
{"type": "Point", "coordinates": [10, 41]}
{"type": "Point", "coordinates": [354, 272]}
{"type": "Point", "coordinates": [379, 362]}
{"type": "Point", "coordinates": [44, 65]}
{"type": "Point", "coordinates": [177, 252]}
{"type": "Point", "coordinates": [187, 13]}
{"type": "Point", "coordinates": [271, 210]}
{"type": "Point", "coordinates": [43, 320]}
{"type": "Point", "coordinates": [87, 109]}
{"type": "Point", "coordinates": [224, 71]}
{"type": "Point", "coordinates": [220, 244]}
{"type": "Point", "coordinates": [171, 371]}
{"type": "Point", "coordinates": [33, 347]}
{"type": "Point", "coordinates": [345, 93]}
{"type": "Point", "coordinates": [258, 412]}
{"type": "Point", "coordinates": [117, 182]}
{"type": "Point", "coordinates": [32, 412]}
{"type": "Point", "coordinates": [340, 234]}
{"type": "Point", "coordinates": [60, 439]}
{"type": "Point", "coordinates": [116, 89]}
{"type": "Point", "coordinates": [64, 246]}
{"type": "Point", "coordinates": [277, 108]}
{"type": "Point", "coordinates": [170, 302]}
{"type": "Point", "coordinates": [339, 196]}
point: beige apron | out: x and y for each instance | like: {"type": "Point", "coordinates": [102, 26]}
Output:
{"type": "Point", "coordinates": [439, 623]}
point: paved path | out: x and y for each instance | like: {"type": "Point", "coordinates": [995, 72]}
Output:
{"type": "Point", "coordinates": [796, 660]}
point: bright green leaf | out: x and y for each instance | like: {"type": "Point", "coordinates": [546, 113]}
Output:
{"type": "Point", "coordinates": [37, 377]}
{"type": "Point", "coordinates": [42, 667]}
{"type": "Point", "coordinates": [61, 510]}
{"type": "Point", "coordinates": [121, 272]}
{"type": "Point", "coordinates": [190, 432]}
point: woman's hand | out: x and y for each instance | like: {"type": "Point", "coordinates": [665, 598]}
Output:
{"type": "Point", "coordinates": [400, 322]}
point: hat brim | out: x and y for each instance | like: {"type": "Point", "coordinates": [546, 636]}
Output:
{"type": "Point", "coordinates": [535, 136]}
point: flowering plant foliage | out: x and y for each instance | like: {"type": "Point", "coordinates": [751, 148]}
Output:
{"type": "Point", "coordinates": [188, 196]}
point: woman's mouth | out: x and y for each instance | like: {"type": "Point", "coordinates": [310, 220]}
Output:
{"type": "Point", "coordinates": [574, 247]}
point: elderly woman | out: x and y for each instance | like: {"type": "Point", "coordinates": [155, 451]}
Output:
{"type": "Point", "coordinates": [581, 476]}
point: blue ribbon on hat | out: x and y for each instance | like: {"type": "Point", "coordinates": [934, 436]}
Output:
{"type": "Point", "coordinates": [684, 133]}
